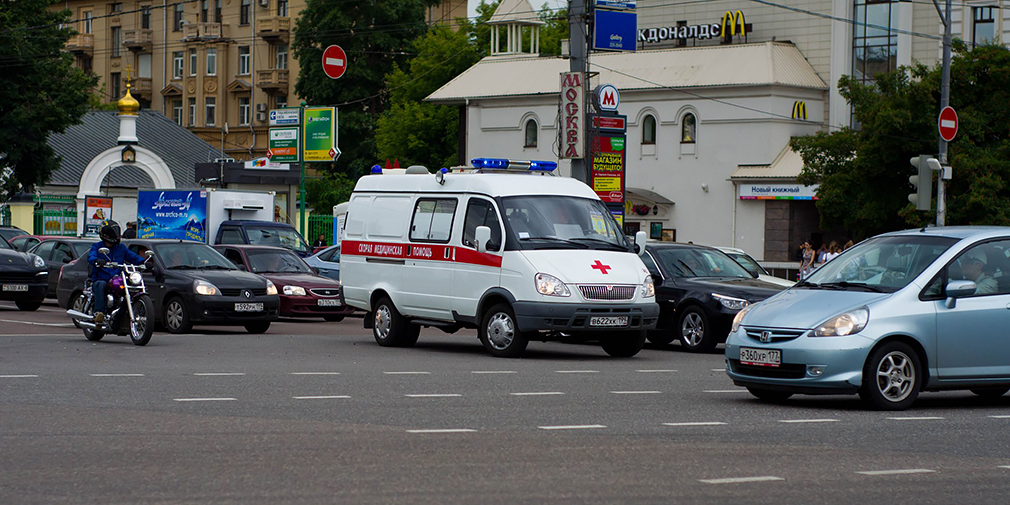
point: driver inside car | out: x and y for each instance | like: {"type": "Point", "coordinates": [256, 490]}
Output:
{"type": "Point", "coordinates": [972, 266]}
{"type": "Point", "coordinates": [118, 253]}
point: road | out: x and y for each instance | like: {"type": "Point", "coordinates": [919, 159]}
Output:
{"type": "Point", "coordinates": [315, 412]}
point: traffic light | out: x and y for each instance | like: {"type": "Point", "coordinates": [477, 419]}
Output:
{"type": "Point", "coordinates": [923, 182]}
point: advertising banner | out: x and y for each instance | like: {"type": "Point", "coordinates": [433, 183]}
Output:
{"type": "Point", "coordinates": [283, 145]}
{"type": "Point", "coordinates": [778, 192]}
{"type": "Point", "coordinates": [320, 133]}
{"type": "Point", "coordinates": [615, 30]}
{"type": "Point", "coordinates": [573, 129]}
{"type": "Point", "coordinates": [607, 170]}
{"type": "Point", "coordinates": [96, 210]}
{"type": "Point", "coordinates": [172, 214]}
{"type": "Point", "coordinates": [284, 116]}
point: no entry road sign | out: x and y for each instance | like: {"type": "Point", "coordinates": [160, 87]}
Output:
{"type": "Point", "coordinates": [947, 123]}
{"type": "Point", "coordinates": [334, 62]}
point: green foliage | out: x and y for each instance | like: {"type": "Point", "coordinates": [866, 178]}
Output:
{"type": "Point", "coordinates": [41, 92]}
{"type": "Point", "coordinates": [323, 193]}
{"type": "Point", "coordinates": [97, 101]}
{"type": "Point", "coordinates": [555, 29]}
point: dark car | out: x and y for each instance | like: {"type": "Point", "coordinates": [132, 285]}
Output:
{"type": "Point", "coordinates": [190, 284]}
{"type": "Point", "coordinates": [59, 251]}
{"type": "Point", "coordinates": [268, 233]}
{"type": "Point", "coordinates": [24, 243]}
{"type": "Point", "coordinates": [24, 278]}
{"type": "Point", "coordinates": [303, 292]}
{"type": "Point", "coordinates": [699, 289]}
{"type": "Point", "coordinates": [9, 232]}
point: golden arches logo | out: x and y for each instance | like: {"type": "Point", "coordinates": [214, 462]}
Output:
{"type": "Point", "coordinates": [735, 19]}
{"type": "Point", "coordinates": [800, 110]}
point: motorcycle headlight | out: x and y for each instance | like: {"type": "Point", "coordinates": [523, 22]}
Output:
{"type": "Point", "coordinates": [291, 290]}
{"type": "Point", "coordinates": [38, 261]}
{"type": "Point", "coordinates": [551, 286]}
{"type": "Point", "coordinates": [729, 302]}
{"type": "Point", "coordinates": [272, 290]}
{"type": "Point", "coordinates": [847, 323]}
{"type": "Point", "coordinates": [136, 278]}
{"type": "Point", "coordinates": [738, 318]}
{"type": "Point", "coordinates": [648, 288]}
{"type": "Point", "coordinates": [204, 288]}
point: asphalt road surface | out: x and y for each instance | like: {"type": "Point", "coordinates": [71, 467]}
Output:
{"type": "Point", "coordinates": [315, 412]}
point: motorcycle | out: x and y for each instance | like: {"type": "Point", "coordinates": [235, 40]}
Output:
{"type": "Point", "coordinates": [129, 309]}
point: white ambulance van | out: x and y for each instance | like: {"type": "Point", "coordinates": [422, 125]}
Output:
{"type": "Point", "coordinates": [506, 248]}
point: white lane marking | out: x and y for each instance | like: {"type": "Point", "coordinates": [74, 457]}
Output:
{"type": "Point", "coordinates": [34, 323]}
{"type": "Point", "coordinates": [697, 423]}
{"type": "Point", "coordinates": [741, 390]}
{"type": "Point", "coordinates": [117, 375]}
{"type": "Point", "coordinates": [574, 427]}
{"type": "Point", "coordinates": [576, 371]}
{"type": "Point", "coordinates": [636, 392]}
{"type": "Point", "coordinates": [17, 376]}
{"type": "Point", "coordinates": [204, 399]}
{"type": "Point", "coordinates": [655, 371]}
{"type": "Point", "coordinates": [538, 393]}
{"type": "Point", "coordinates": [923, 418]}
{"type": "Point", "coordinates": [797, 421]}
{"type": "Point", "coordinates": [493, 371]}
{"type": "Point", "coordinates": [315, 373]}
{"type": "Point", "coordinates": [1005, 466]}
{"type": "Point", "coordinates": [740, 480]}
{"type": "Point", "coordinates": [719, 369]}
{"type": "Point", "coordinates": [897, 472]}
{"type": "Point", "coordinates": [333, 397]}
{"type": "Point", "coordinates": [999, 417]}
{"type": "Point", "coordinates": [218, 374]}
{"type": "Point", "coordinates": [434, 395]}
{"type": "Point", "coordinates": [448, 430]}
{"type": "Point", "coordinates": [407, 373]}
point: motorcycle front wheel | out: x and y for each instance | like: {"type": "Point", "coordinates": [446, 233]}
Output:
{"type": "Point", "coordinates": [142, 326]}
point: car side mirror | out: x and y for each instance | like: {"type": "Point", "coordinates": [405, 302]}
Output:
{"type": "Point", "coordinates": [241, 267]}
{"type": "Point", "coordinates": [482, 236]}
{"type": "Point", "coordinates": [959, 289]}
{"type": "Point", "coordinates": [640, 238]}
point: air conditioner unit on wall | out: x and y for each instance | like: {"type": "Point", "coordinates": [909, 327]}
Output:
{"type": "Point", "coordinates": [261, 107]}
{"type": "Point", "coordinates": [261, 116]}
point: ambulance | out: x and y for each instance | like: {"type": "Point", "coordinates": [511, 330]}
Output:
{"type": "Point", "coordinates": [505, 247]}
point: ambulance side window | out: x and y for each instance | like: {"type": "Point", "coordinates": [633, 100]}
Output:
{"type": "Point", "coordinates": [432, 220]}
{"type": "Point", "coordinates": [481, 213]}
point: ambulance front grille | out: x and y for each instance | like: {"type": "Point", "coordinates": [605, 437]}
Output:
{"type": "Point", "coordinates": [607, 292]}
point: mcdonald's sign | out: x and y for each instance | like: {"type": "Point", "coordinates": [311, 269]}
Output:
{"type": "Point", "coordinates": [735, 19]}
{"type": "Point", "coordinates": [799, 110]}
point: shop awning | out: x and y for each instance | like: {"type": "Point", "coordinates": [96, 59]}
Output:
{"type": "Point", "coordinates": [787, 166]}
{"type": "Point", "coordinates": [650, 195]}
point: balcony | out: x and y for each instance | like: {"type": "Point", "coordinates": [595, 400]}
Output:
{"type": "Point", "coordinates": [142, 86]}
{"type": "Point", "coordinates": [272, 81]}
{"type": "Point", "coordinates": [204, 31]}
{"type": "Point", "coordinates": [81, 43]}
{"type": "Point", "coordinates": [274, 28]}
{"type": "Point", "coordinates": [138, 39]}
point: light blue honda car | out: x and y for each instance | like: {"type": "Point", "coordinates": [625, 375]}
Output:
{"type": "Point", "coordinates": [900, 313]}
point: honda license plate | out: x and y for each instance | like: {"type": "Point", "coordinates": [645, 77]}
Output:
{"type": "Point", "coordinates": [15, 287]}
{"type": "Point", "coordinates": [604, 321]}
{"type": "Point", "coordinates": [760, 357]}
{"type": "Point", "coordinates": [328, 303]}
{"type": "Point", "coordinates": [248, 307]}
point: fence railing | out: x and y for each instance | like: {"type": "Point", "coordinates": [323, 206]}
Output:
{"type": "Point", "coordinates": [319, 224]}
{"type": "Point", "coordinates": [5, 215]}
{"type": "Point", "coordinates": [56, 222]}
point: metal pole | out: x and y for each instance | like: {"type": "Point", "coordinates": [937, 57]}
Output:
{"type": "Point", "coordinates": [941, 204]}
{"type": "Point", "coordinates": [301, 159]}
{"type": "Point", "coordinates": [579, 63]}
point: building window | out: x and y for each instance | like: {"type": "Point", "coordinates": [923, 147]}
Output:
{"type": "Point", "coordinates": [192, 112]}
{"type": "Point", "coordinates": [649, 129]}
{"type": "Point", "coordinates": [116, 8]}
{"type": "Point", "coordinates": [244, 12]}
{"type": "Point", "coordinates": [177, 18]}
{"type": "Point", "coordinates": [243, 60]}
{"type": "Point", "coordinates": [874, 39]}
{"type": "Point", "coordinates": [983, 30]}
{"type": "Point", "coordinates": [86, 64]}
{"type": "Point", "coordinates": [145, 17]}
{"type": "Point", "coordinates": [243, 110]}
{"type": "Point", "coordinates": [531, 133]}
{"type": "Point", "coordinates": [282, 57]}
{"type": "Point", "coordinates": [689, 129]}
{"type": "Point", "coordinates": [217, 11]}
{"type": "Point", "coordinates": [211, 106]}
{"type": "Point", "coordinates": [177, 111]}
{"type": "Point", "coordinates": [89, 20]}
{"type": "Point", "coordinates": [114, 84]}
{"type": "Point", "coordinates": [211, 61]}
{"type": "Point", "coordinates": [192, 62]}
{"type": "Point", "coordinates": [282, 8]}
{"type": "Point", "coordinates": [280, 101]}
{"type": "Point", "coordinates": [117, 41]}
{"type": "Point", "coordinates": [177, 65]}
{"type": "Point", "coordinates": [204, 6]}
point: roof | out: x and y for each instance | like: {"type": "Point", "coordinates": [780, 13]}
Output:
{"type": "Point", "coordinates": [515, 11]}
{"type": "Point", "coordinates": [99, 130]}
{"type": "Point", "coordinates": [787, 165]}
{"type": "Point", "coordinates": [492, 184]}
{"type": "Point", "coordinates": [768, 63]}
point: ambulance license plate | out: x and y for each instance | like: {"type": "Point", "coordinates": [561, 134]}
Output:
{"type": "Point", "coordinates": [15, 287]}
{"type": "Point", "coordinates": [322, 302]}
{"type": "Point", "coordinates": [760, 357]}
{"type": "Point", "coordinates": [611, 322]}
{"type": "Point", "coordinates": [248, 307]}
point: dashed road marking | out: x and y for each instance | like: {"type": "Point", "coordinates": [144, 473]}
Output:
{"type": "Point", "coordinates": [331, 397]}
{"type": "Point", "coordinates": [636, 392]}
{"type": "Point", "coordinates": [491, 372]}
{"type": "Point", "coordinates": [1005, 466]}
{"type": "Point", "coordinates": [798, 421]}
{"type": "Point", "coordinates": [908, 471]}
{"type": "Point", "coordinates": [538, 393]}
{"type": "Point", "coordinates": [725, 390]}
{"type": "Point", "coordinates": [718, 369]}
{"type": "Point", "coordinates": [205, 399]}
{"type": "Point", "coordinates": [697, 423]}
{"type": "Point", "coordinates": [655, 371]}
{"type": "Point", "coordinates": [117, 375]}
{"type": "Point", "coordinates": [446, 430]}
{"type": "Point", "coordinates": [574, 427]}
{"type": "Point", "coordinates": [999, 417]}
{"type": "Point", "coordinates": [434, 395]}
{"type": "Point", "coordinates": [576, 371]}
{"type": "Point", "coordinates": [25, 376]}
{"type": "Point", "coordinates": [315, 373]}
{"type": "Point", "coordinates": [407, 373]}
{"type": "Point", "coordinates": [34, 323]}
{"type": "Point", "coordinates": [923, 418]}
{"type": "Point", "coordinates": [218, 374]}
{"type": "Point", "coordinates": [741, 480]}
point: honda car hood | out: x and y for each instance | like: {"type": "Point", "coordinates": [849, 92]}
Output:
{"type": "Point", "coordinates": [805, 308]}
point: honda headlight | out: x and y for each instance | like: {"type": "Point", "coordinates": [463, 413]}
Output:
{"type": "Point", "coordinates": [291, 290]}
{"type": "Point", "coordinates": [730, 303]}
{"type": "Point", "coordinates": [38, 261]}
{"type": "Point", "coordinates": [551, 286]}
{"type": "Point", "coordinates": [136, 278]}
{"type": "Point", "coordinates": [648, 288]}
{"type": "Point", "coordinates": [272, 290]}
{"type": "Point", "coordinates": [204, 288]}
{"type": "Point", "coordinates": [847, 323]}
{"type": "Point", "coordinates": [738, 318]}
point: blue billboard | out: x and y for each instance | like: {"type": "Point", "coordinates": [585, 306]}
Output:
{"type": "Point", "coordinates": [615, 30]}
{"type": "Point", "coordinates": [172, 214]}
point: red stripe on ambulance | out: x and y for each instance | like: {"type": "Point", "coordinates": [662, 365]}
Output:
{"type": "Point", "coordinates": [427, 252]}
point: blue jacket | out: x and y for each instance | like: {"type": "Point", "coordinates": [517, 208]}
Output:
{"type": "Point", "coordinates": [118, 254]}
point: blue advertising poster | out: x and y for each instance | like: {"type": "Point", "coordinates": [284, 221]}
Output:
{"type": "Point", "coordinates": [615, 30]}
{"type": "Point", "coordinates": [172, 215]}
{"type": "Point", "coordinates": [617, 4]}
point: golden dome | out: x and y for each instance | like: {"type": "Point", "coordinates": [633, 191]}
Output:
{"type": "Point", "coordinates": [128, 106]}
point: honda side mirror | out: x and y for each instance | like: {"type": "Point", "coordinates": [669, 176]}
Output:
{"type": "Point", "coordinates": [959, 289]}
{"type": "Point", "coordinates": [482, 236]}
{"type": "Point", "coordinates": [640, 238]}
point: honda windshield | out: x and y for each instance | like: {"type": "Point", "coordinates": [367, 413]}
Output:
{"type": "Point", "coordinates": [276, 236]}
{"type": "Point", "coordinates": [562, 222]}
{"type": "Point", "coordinates": [884, 264]}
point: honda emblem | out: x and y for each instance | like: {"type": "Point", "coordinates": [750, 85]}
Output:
{"type": "Point", "coordinates": [766, 336]}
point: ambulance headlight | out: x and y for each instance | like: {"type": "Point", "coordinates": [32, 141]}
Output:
{"type": "Point", "coordinates": [551, 286]}
{"type": "Point", "coordinates": [648, 288]}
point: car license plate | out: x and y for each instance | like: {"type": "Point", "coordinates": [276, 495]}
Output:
{"type": "Point", "coordinates": [760, 357]}
{"type": "Point", "coordinates": [15, 287]}
{"type": "Point", "coordinates": [328, 302]}
{"type": "Point", "coordinates": [608, 321]}
{"type": "Point", "coordinates": [248, 307]}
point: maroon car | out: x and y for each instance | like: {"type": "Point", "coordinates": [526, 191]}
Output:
{"type": "Point", "coordinates": [303, 293]}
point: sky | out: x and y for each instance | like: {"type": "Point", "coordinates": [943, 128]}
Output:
{"type": "Point", "coordinates": [537, 4]}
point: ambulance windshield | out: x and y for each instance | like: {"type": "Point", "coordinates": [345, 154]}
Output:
{"type": "Point", "coordinates": [560, 222]}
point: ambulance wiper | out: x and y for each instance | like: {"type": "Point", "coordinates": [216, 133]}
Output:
{"type": "Point", "coordinates": [555, 239]}
{"type": "Point", "coordinates": [604, 242]}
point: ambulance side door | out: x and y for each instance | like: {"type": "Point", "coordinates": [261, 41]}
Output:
{"type": "Point", "coordinates": [476, 272]}
{"type": "Point", "coordinates": [427, 274]}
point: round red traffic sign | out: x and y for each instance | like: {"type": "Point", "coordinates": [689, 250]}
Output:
{"type": "Point", "coordinates": [947, 123]}
{"type": "Point", "coordinates": [334, 62]}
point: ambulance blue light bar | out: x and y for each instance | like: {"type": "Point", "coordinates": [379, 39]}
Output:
{"type": "Point", "coordinates": [502, 163]}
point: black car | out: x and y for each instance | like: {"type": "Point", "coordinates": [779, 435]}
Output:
{"type": "Point", "coordinates": [9, 232]}
{"type": "Point", "coordinates": [699, 289]}
{"type": "Point", "coordinates": [190, 283]}
{"type": "Point", "coordinates": [24, 278]}
{"type": "Point", "coordinates": [57, 252]}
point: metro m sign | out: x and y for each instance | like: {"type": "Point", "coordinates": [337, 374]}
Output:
{"type": "Point", "coordinates": [572, 127]}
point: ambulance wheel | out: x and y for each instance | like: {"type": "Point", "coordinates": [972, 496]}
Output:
{"type": "Point", "coordinates": [624, 344]}
{"type": "Point", "coordinates": [392, 329]}
{"type": "Point", "coordinates": [500, 334]}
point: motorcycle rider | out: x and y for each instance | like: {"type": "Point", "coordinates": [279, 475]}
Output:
{"type": "Point", "coordinates": [100, 276]}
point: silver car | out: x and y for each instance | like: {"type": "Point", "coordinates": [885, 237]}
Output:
{"type": "Point", "coordinates": [327, 262]}
{"type": "Point", "coordinates": [900, 313]}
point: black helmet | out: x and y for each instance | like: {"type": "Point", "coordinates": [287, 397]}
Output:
{"type": "Point", "coordinates": [110, 232]}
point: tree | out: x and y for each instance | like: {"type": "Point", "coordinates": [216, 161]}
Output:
{"type": "Point", "coordinates": [41, 92]}
{"type": "Point", "coordinates": [864, 172]}
{"type": "Point", "coordinates": [323, 193]}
